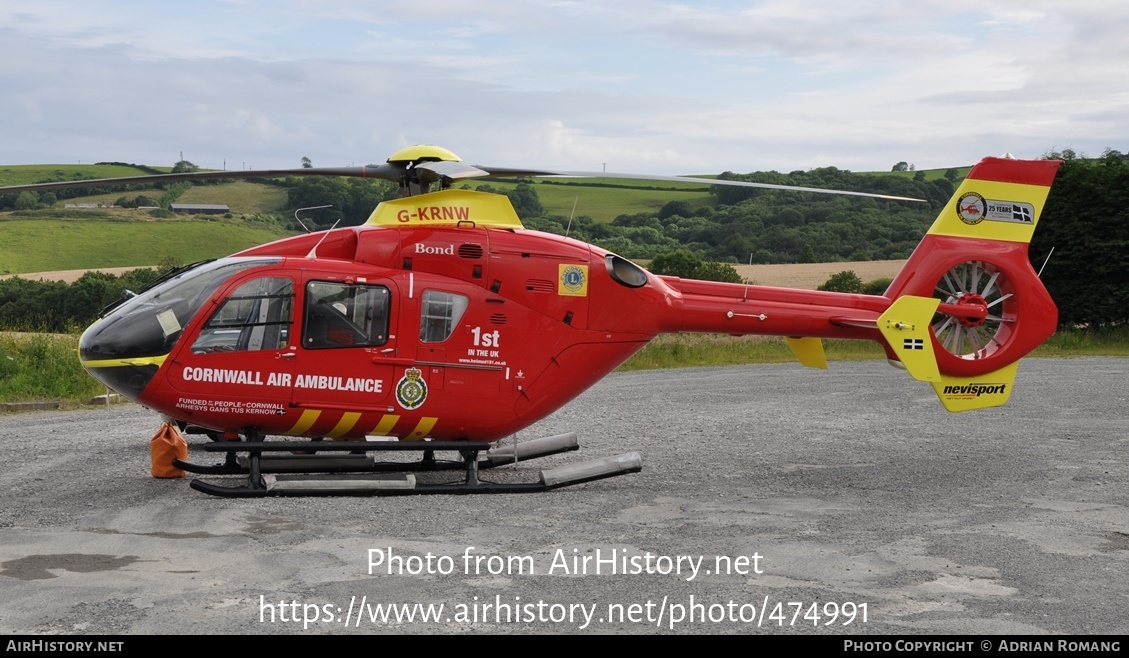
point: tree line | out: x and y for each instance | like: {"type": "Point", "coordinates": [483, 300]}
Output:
{"type": "Point", "coordinates": [58, 307]}
{"type": "Point", "coordinates": [1086, 224]}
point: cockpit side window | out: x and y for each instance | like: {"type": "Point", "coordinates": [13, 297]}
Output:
{"type": "Point", "coordinates": [255, 317]}
{"type": "Point", "coordinates": [345, 315]}
{"type": "Point", "coordinates": [439, 314]}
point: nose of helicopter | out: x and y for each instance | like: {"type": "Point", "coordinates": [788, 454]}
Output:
{"type": "Point", "coordinates": [117, 353]}
{"type": "Point", "coordinates": [125, 349]}
{"type": "Point", "coordinates": [129, 380]}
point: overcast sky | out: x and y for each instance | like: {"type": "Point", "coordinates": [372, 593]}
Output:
{"type": "Point", "coordinates": [634, 85]}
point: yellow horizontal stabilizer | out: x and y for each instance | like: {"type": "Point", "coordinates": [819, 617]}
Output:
{"type": "Point", "coordinates": [905, 326]}
{"type": "Point", "coordinates": [809, 351]}
{"type": "Point", "coordinates": [981, 392]}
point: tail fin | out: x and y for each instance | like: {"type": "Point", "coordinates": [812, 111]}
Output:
{"type": "Point", "coordinates": [968, 292]}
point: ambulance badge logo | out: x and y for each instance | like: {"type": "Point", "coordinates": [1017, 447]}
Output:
{"type": "Point", "coordinates": [971, 208]}
{"type": "Point", "coordinates": [411, 390]}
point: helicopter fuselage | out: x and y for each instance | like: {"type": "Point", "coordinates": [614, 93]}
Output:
{"type": "Point", "coordinates": [462, 330]}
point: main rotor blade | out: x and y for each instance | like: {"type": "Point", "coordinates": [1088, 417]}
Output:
{"type": "Point", "coordinates": [446, 170]}
{"type": "Point", "coordinates": [382, 171]}
{"type": "Point", "coordinates": [499, 171]}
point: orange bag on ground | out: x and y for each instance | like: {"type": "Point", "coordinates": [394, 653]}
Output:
{"type": "Point", "coordinates": [166, 445]}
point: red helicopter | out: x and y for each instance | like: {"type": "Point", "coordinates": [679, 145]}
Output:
{"type": "Point", "coordinates": [443, 325]}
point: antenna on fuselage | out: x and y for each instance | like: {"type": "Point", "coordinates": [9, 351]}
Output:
{"type": "Point", "coordinates": [314, 252]}
{"type": "Point", "coordinates": [308, 208]}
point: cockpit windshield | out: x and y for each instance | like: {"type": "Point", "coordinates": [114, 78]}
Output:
{"type": "Point", "coordinates": [150, 323]}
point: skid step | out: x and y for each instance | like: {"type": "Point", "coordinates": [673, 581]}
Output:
{"type": "Point", "coordinates": [310, 463]}
{"type": "Point", "coordinates": [330, 485]}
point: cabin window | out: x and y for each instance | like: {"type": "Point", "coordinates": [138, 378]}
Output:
{"type": "Point", "coordinates": [255, 317]}
{"type": "Point", "coordinates": [439, 314]}
{"type": "Point", "coordinates": [344, 315]}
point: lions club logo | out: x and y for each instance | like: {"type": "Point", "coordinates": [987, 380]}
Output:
{"type": "Point", "coordinates": [573, 280]}
{"type": "Point", "coordinates": [411, 391]}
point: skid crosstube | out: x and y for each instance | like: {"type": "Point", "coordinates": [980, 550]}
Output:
{"type": "Point", "coordinates": [272, 468]}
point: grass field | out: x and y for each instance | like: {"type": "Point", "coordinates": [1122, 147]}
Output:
{"type": "Point", "coordinates": [28, 174]}
{"type": "Point", "coordinates": [34, 245]}
{"type": "Point", "coordinates": [43, 367]}
{"type": "Point", "coordinates": [241, 197]}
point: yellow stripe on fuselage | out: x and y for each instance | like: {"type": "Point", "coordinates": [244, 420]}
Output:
{"type": "Point", "coordinates": [425, 425]}
{"type": "Point", "coordinates": [305, 422]}
{"type": "Point", "coordinates": [384, 427]}
{"type": "Point", "coordinates": [117, 363]}
{"type": "Point", "coordinates": [348, 420]}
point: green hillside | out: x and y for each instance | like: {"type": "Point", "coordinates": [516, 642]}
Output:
{"type": "Point", "coordinates": [37, 245]}
{"type": "Point", "coordinates": [241, 196]}
{"type": "Point", "coordinates": [59, 238]}
{"type": "Point", "coordinates": [28, 174]}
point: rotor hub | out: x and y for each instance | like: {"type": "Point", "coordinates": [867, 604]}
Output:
{"type": "Point", "coordinates": [971, 299]}
{"type": "Point", "coordinates": [422, 153]}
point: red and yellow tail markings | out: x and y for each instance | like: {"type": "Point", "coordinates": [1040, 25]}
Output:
{"type": "Point", "coordinates": [348, 420]}
{"type": "Point", "coordinates": [1008, 170]}
{"type": "Point", "coordinates": [992, 210]}
{"type": "Point", "coordinates": [305, 422]}
{"type": "Point", "coordinates": [999, 200]}
{"type": "Point", "coordinates": [425, 425]}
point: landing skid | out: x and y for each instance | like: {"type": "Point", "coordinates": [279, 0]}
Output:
{"type": "Point", "coordinates": [350, 468]}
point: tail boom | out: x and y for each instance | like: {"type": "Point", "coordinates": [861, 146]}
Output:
{"type": "Point", "coordinates": [738, 309]}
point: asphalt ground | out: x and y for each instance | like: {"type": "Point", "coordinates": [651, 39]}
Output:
{"type": "Point", "coordinates": [772, 499]}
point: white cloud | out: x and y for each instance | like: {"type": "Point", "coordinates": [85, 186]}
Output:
{"type": "Point", "coordinates": [640, 84]}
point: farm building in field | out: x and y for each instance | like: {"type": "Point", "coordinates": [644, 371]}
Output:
{"type": "Point", "coordinates": [200, 208]}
